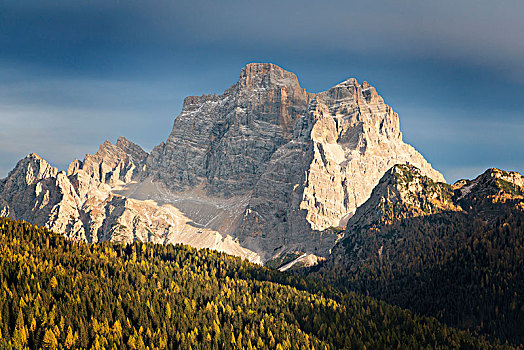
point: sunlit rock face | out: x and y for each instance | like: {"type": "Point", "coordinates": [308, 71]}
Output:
{"type": "Point", "coordinates": [356, 138]}
{"type": "Point", "coordinates": [262, 170]}
{"type": "Point", "coordinates": [114, 164]}
{"type": "Point", "coordinates": [340, 149]}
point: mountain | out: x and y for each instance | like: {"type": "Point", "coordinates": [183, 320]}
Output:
{"type": "Point", "coordinates": [150, 296]}
{"type": "Point", "coordinates": [264, 171]}
{"type": "Point", "coordinates": [453, 252]}
{"type": "Point", "coordinates": [83, 203]}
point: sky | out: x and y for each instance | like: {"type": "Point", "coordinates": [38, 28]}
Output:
{"type": "Point", "coordinates": [75, 73]}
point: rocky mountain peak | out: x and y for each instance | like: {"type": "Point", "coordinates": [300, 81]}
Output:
{"type": "Point", "coordinates": [132, 149]}
{"type": "Point", "coordinates": [30, 170]}
{"type": "Point", "coordinates": [407, 178]}
{"type": "Point", "coordinates": [402, 175]}
{"type": "Point", "coordinates": [356, 139]}
{"type": "Point", "coordinates": [279, 169]}
{"type": "Point", "coordinates": [364, 123]}
{"type": "Point", "coordinates": [224, 142]}
{"type": "Point", "coordinates": [351, 91]}
{"type": "Point", "coordinates": [33, 156]}
{"type": "Point", "coordinates": [402, 192]}
{"type": "Point", "coordinates": [266, 75]}
{"type": "Point", "coordinates": [112, 163]}
{"type": "Point", "coordinates": [493, 185]}
{"type": "Point", "coordinates": [27, 172]}
{"type": "Point", "coordinates": [74, 166]}
{"type": "Point", "coordinates": [508, 176]}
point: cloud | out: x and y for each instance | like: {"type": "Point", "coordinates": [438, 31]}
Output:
{"type": "Point", "coordinates": [474, 31]}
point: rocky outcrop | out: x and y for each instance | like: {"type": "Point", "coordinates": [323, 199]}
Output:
{"type": "Point", "coordinates": [114, 164]}
{"type": "Point", "coordinates": [276, 169]}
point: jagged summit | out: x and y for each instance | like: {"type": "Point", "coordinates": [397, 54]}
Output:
{"type": "Point", "coordinates": [31, 169]}
{"type": "Point", "coordinates": [403, 191]}
{"type": "Point", "coordinates": [224, 142]}
{"type": "Point", "coordinates": [132, 149]}
{"type": "Point", "coordinates": [33, 155]}
{"type": "Point", "coordinates": [116, 163]}
{"type": "Point", "coordinates": [28, 171]}
{"type": "Point", "coordinates": [265, 163]}
{"type": "Point", "coordinates": [253, 78]}
{"type": "Point", "coordinates": [508, 176]}
{"type": "Point", "coordinates": [266, 75]}
{"type": "Point", "coordinates": [351, 90]}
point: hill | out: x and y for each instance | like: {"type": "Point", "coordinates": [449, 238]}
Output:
{"type": "Point", "coordinates": [453, 252]}
{"type": "Point", "coordinates": [57, 293]}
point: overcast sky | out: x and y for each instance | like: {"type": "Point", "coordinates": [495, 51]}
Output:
{"type": "Point", "coordinates": [75, 73]}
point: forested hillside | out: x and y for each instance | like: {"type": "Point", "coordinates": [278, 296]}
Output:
{"type": "Point", "coordinates": [469, 274]}
{"type": "Point", "coordinates": [56, 293]}
{"type": "Point", "coordinates": [465, 267]}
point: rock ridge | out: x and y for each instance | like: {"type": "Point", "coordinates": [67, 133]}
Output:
{"type": "Point", "coordinates": [404, 194]}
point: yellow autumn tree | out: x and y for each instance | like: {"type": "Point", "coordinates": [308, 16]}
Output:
{"type": "Point", "coordinates": [69, 340]}
{"type": "Point", "coordinates": [49, 341]}
{"type": "Point", "coordinates": [53, 282]}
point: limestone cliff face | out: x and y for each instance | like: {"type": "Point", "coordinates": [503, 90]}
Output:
{"type": "Point", "coordinates": [223, 143]}
{"type": "Point", "coordinates": [339, 150]}
{"type": "Point", "coordinates": [356, 139]}
{"type": "Point", "coordinates": [265, 166]}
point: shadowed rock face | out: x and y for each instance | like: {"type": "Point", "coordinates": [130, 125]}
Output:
{"type": "Point", "coordinates": [270, 164]}
{"type": "Point", "coordinates": [224, 143]}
